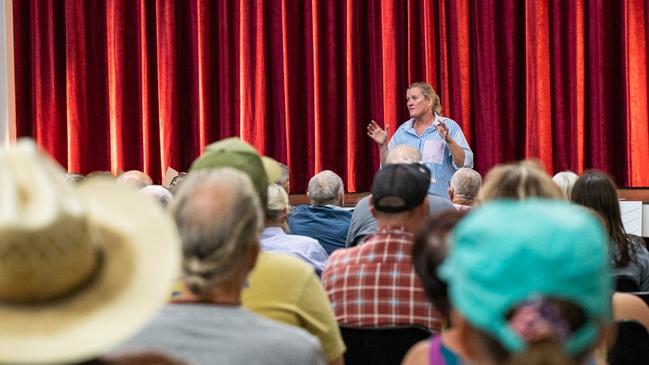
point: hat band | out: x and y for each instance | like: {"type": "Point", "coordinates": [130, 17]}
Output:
{"type": "Point", "coordinates": [98, 265]}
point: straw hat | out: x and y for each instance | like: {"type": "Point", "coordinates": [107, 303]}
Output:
{"type": "Point", "coordinates": [81, 269]}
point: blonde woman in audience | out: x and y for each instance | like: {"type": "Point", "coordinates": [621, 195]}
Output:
{"type": "Point", "coordinates": [596, 190]}
{"type": "Point", "coordinates": [519, 180]}
{"type": "Point", "coordinates": [520, 299]}
{"type": "Point", "coordinates": [565, 180]}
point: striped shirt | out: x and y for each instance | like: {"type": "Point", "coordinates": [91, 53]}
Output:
{"type": "Point", "coordinates": [434, 151]}
{"type": "Point", "coordinates": [375, 285]}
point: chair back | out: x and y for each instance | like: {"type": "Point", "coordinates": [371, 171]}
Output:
{"type": "Point", "coordinates": [625, 284]}
{"type": "Point", "coordinates": [380, 345]}
{"type": "Point", "coordinates": [631, 345]}
{"type": "Point", "coordinates": [644, 295]}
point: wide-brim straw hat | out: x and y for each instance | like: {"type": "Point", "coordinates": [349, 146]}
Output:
{"type": "Point", "coordinates": [47, 224]}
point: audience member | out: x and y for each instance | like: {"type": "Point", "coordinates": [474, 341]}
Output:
{"type": "Point", "coordinates": [323, 220]}
{"type": "Point", "coordinates": [281, 287]}
{"type": "Point", "coordinates": [99, 174]}
{"type": "Point", "coordinates": [519, 180]}
{"type": "Point", "coordinates": [74, 178]}
{"type": "Point", "coordinates": [523, 300]}
{"type": "Point", "coordinates": [235, 153]}
{"type": "Point", "coordinates": [175, 182]}
{"type": "Point", "coordinates": [275, 239]}
{"type": "Point", "coordinates": [565, 180]}
{"type": "Point", "coordinates": [374, 284]}
{"type": "Point", "coordinates": [284, 178]}
{"type": "Point", "coordinates": [287, 290]}
{"type": "Point", "coordinates": [161, 194]}
{"type": "Point", "coordinates": [81, 268]}
{"type": "Point", "coordinates": [219, 218]}
{"type": "Point", "coordinates": [135, 179]}
{"type": "Point", "coordinates": [428, 254]}
{"type": "Point", "coordinates": [595, 190]}
{"type": "Point", "coordinates": [464, 187]}
{"type": "Point", "coordinates": [363, 223]}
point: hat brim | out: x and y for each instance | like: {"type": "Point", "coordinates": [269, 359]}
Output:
{"type": "Point", "coordinates": [141, 256]}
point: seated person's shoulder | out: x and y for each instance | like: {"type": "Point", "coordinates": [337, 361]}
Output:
{"type": "Point", "coordinates": [418, 354]}
{"type": "Point", "coordinates": [279, 263]}
{"type": "Point", "coordinates": [293, 341]}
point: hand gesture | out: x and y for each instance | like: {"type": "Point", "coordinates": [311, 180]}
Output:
{"type": "Point", "coordinates": [375, 132]}
{"type": "Point", "coordinates": [443, 131]}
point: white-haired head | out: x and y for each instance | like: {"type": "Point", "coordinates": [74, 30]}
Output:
{"type": "Point", "coordinates": [160, 193]}
{"type": "Point", "coordinates": [565, 180]}
{"type": "Point", "coordinates": [326, 188]}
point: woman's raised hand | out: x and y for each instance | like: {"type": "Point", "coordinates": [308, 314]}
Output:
{"type": "Point", "coordinates": [377, 133]}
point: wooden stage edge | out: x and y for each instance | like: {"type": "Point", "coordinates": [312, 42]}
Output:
{"type": "Point", "coordinates": [632, 194]}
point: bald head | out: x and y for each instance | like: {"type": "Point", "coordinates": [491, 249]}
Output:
{"type": "Point", "coordinates": [402, 154]}
{"type": "Point", "coordinates": [135, 179]}
{"type": "Point", "coordinates": [159, 193]}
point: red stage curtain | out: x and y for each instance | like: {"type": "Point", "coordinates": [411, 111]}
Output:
{"type": "Point", "coordinates": [142, 84]}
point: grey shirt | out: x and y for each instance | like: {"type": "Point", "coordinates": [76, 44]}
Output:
{"type": "Point", "coordinates": [363, 223]}
{"type": "Point", "coordinates": [211, 334]}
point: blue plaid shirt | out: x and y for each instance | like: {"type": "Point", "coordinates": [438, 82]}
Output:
{"type": "Point", "coordinates": [434, 151]}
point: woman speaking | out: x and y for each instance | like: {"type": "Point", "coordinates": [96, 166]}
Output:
{"type": "Point", "coordinates": [440, 140]}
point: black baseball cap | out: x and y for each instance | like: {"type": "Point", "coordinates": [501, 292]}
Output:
{"type": "Point", "coordinates": [400, 187]}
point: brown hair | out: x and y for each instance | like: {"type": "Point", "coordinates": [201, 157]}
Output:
{"type": "Point", "coordinates": [519, 180]}
{"type": "Point", "coordinates": [429, 93]}
{"type": "Point", "coordinates": [596, 190]}
{"type": "Point", "coordinates": [429, 252]}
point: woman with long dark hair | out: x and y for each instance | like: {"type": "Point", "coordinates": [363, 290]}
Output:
{"type": "Point", "coordinates": [596, 190]}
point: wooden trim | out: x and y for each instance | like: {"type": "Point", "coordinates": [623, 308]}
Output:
{"type": "Point", "coordinates": [638, 194]}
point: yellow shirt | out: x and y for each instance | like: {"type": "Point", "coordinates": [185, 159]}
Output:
{"type": "Point", "coordinates": [287, 290]}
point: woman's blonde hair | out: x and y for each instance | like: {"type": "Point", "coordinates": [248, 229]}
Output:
{"type": "Point", "coordinates": [429, 93]}
{"type": "Point", "coordinates": [520, 180]}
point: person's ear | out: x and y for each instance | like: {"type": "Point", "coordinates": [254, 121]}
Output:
{"type": "Point", "coordinates": [253, 254]}
{"type": "Point", "coordinates": [450, 192]}
{"type": "Point", "coordinates": [371, 206]}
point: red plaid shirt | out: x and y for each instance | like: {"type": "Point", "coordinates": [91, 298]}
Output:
{"type": "Point", "coordinates": [375, 285]}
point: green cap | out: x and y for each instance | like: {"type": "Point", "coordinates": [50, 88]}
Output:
{"type": "Point", "coordinates": [235, 153]}
{"type": "Point", "coordinates": [506, 252]}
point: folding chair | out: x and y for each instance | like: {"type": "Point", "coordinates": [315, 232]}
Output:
{"type": "Point", "coordinates": [625, 284]}
{"type": "Point", "coordinates": [380, 345]}
{"type": "Point", "coordinates": [631, 345]}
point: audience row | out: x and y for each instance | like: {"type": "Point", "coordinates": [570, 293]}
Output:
{"type": "Point", "coordinates": [220, 269]}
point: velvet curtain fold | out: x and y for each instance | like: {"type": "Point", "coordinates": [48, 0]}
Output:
{"type": "Point", "coordinates": [142, 84]}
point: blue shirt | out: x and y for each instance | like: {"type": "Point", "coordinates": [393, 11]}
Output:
{"type": "Point", "coordinates": [274, 239]}
{"type": "Point", "coordinates": [326, 223]}
{"type": "Point", "coordinates": [434, 151]}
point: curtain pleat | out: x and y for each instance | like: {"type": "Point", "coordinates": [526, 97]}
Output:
{"type": "Point", "coordinates": [636, 87]}
{"type": "Point", "coordinates": [147, 84]}
{"type": "Point", "coordinates": [538, 113]}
